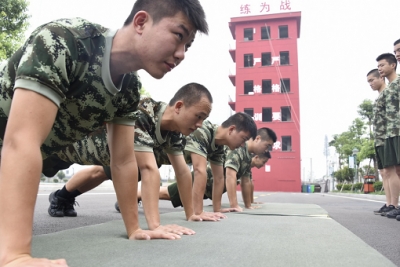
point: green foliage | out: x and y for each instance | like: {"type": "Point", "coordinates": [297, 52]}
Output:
{"type": "Point", "coordinates": [344, 174]}
{"type": "Point", "coordinates": [61, 175]}
{"type": "Point", "coordinates": [42, 179]}
{"type": "Point", "coordinates": [13, 23]}
{"type": "Point", "coordinates": [55, 180]}
{"type": "Point", "coordinates": [378, 186]}
{"type": "Point", "coordinates": [144, 93]}
{"type": "Point", "coordinates": [365, 110]}
{"type": "Point", "coordinates": [65, 180]}
{"type": "Point", "coordinates": [357, 186]}
{"type": "Point", "coordinates": [367, 170]}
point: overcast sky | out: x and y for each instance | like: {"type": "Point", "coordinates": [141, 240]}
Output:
{"type": "Point", "coordinates": [339, 42]}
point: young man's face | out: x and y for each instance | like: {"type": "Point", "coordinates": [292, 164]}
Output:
{"type": "Point", "coordinates": [165, 44]}
{"type": "Point", "coordinates": [374, 82]}
{"type": "Point", "coordinates": [192, 117]}
{"type": "Point", "coordinates": [262, 145]}
{"type": "Point", "coordinates": [259, 162]}
{"type": "Point", "coordinates": [397, 52]}
{"type": "Point", "coordinates": [236, 138]}
{"type": "Point", "coordinates": [384, 68]}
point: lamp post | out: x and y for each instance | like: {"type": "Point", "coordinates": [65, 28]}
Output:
{"type": "Point", "coordinates": [355, 152]}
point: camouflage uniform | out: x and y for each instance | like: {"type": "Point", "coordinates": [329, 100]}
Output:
{"type": "Point", "coordinates": [150, 138]}
{"type": "Point", "coordinates": [379, 124]}
{"type": "Point", "coordinates": [94, 150]}
{"type": "Point", "coordinates": [67, 61]}
{"type": "Point", "coordinates": [201, 142]}
{"type": "Point", "coordinates": [238, 160]}
{"type": "Point", "coordinates": [392, 141]}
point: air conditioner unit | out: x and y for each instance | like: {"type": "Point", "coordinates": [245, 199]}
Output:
{"type": "Point", "coordinates": [246, 39]}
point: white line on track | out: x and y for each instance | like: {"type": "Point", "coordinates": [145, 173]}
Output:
{"type": "Point", "coordinates": [363, 199]}
{"type": "Point", "coordinates": [83, 194]}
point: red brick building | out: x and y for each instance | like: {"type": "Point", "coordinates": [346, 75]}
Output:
{"type": "Point", "coordinates": [267, 88]}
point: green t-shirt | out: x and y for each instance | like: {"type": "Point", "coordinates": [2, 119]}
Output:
{"type": "Point", "coordinates": [202, 142]}
{"type": "Point", "coordinates": [379, 119]}
{"type": "Point", "coordinates": [68, 61]}
{"type": "Point", "coordinates": [94, 149]}
{"type": "Point", "coordinates": [392, 101]}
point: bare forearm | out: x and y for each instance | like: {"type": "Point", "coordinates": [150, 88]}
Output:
{"type": "Point", "coordinates": [246, 192]}
{"type": "Point", "coordinates": [18, 191]}
{"type": "Point", "coordinates": [199, 187]}
{"type": "Point", "coordinates": [231, 190]}
{"type": "Point", "coordinates": [125, 180]}
{"type": "Point", "coordinates": [218, 189]}
{"type": "Point", "coordinates": [150, 191]}
{"type": "Point", "coordinates": [184, 182]}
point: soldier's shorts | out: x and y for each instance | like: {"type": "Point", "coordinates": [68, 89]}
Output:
{"type": "Point", "coordinates": [175, 197]}
{"type": "Point", "coordinates": [107, 171]}
{"type": "Point", "coordinates": [380, 156]}
{"type": "Point", "coordinates": [53, 164]}
{"type": "Point", "coordinates": [392, 151]}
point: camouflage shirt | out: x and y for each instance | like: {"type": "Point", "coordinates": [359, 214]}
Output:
{"type": "Point", "coordinates": [148, 134]}
{"type": "Point", "coordinates": [392, 108]}
{"type": "Point", "coordinates": [68, 61]}
{"type": "Point", "coordinates": [238, 160]}
{"type": "Point", "coordinates": [379, 119]}
{"type": "Point", "coordinates": [148, 137]}
{"type": "Point", "coordinates": [202, 142]}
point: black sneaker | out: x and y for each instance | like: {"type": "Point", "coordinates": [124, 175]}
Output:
{"type": "Point", "coordinates": [60, 207]}
{"type": "Point", "coordinates": [69, 209]}
{"type": "Point", "coordinates": [117, 206]}
{"type": "Point", "coordinates": [398, 217]}
{"type": "Point", "coordinates": [56, 208]}
{"type": "Point", "coordinates": [393, 213]}
{"type": "Point", "coordinates": [378, 212]}
{"type": "Point", "coordinates": [387, 209]}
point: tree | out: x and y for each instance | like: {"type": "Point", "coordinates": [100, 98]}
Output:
{"type": "Point", "coordinates": [61, 175]}
{"type": "Point", "coordinates": [144, 93]}
{"type": "Point", "coordinates": [365, 110]}
{"type": "Point", "coordinates": [13, 23]}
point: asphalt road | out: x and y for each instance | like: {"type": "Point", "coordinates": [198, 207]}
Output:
{"type": "Point", "coordinates": [356, 214]}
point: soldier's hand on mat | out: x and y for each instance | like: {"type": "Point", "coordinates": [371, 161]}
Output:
{"type": "Point", "coordinates": [235, 209]}
{"type": "Point", "coordinates": [212, 216]}
{"type": "Point", "coordinates": [253, 207]}
{"type": "Point", "coordinates": [152, 234]}
{"type": "Point", "coordinates": [34, 262]}
{"type": "Point", "coordinates": [175, 229]}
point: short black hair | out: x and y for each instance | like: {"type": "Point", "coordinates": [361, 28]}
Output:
{"type": "Point", "coordinates": [374, 72]}
{"type": "Point", "coordinates": [396, 42]}
{"type": "Point", "coordinates": [242, 122]}
{"type": "Point", "coordinates": [266, 134]}
{"type": "Point", "coordinates": [265, 154]}
{"type": "Point", "coordinates": [390, 58]}
{"type": "Point", "coordinates": [159, 9]}
{"type": "Point", "coordinates": [191, 94]}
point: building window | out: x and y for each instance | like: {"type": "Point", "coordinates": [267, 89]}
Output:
{"type": "Point", "coordinates": [286, 143]}
{"type": "Point", "coordinates": [285, 85]}
{"type": "Point", "coordinates": [266, 86]}
{"type": "Point", "coordinates": [266, 114]}
{"type": "Point", "coordinates": [249, 111]}
{"type": "Point", "coordinates": [266, 59]}
{"type": "Point", "coordinates": [248, 34]}
{"type": "Point", "coordinates": [286, 115]}
{"type": "Point", "coordinates": [248, 87]}
{"type": "Point", "coordinates": [265, 33]}
{"type": "Point", "coordinates": [248, 60]}
{"type": "Point", "coordinates": [283, 32]}
{"type": "Point", "coordinates": [284, 57]}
